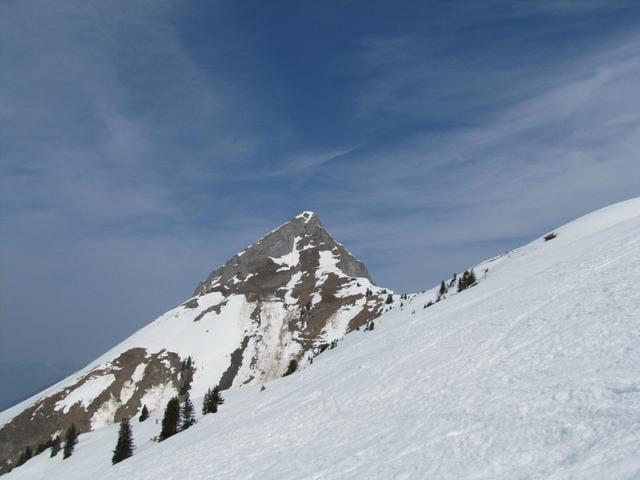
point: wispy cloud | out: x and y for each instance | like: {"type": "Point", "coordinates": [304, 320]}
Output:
{"type": "Point", "coordinates": [141, 145]}
{"type": "Point", "coordinates": [100, 106]}
{"type": "Point", "coordinates": [566, 149]}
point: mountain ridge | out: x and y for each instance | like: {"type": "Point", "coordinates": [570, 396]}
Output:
{"type": "Point", "coordinates": [285, 297]}
{"type": "Point", "coordinates": [530, 373]}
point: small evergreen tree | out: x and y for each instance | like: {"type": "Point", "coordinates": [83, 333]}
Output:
{"type": "Point", "coordinates": [124, 445]}
{"type": "Point", "coordinates": [144, 414]}
{"type": "Point", "coordinates": [443, 289]}
{"type": "Point", "coordinates": [293, 366]}
{"type": "Point", "coordinates": [468, 279]}
{"type": "Point", "coordinates": [186, 376]}
{"type": "Point", "coordinates": [170, 419]}
{"type": "Point", "coordinates": [55, 446]}
{"type": "Point", "coordinates": [70, 441]}
{"type": "Point", "coordinates": [188, 414]}
{"type": "Point", "coordinates": [211, 401]}
{"type": "Point", "coordinates": [389, 299]}
{"type": "Point", "coordinates": [216, 396]}
{"type": "Point", "coordinates": [206, 403]}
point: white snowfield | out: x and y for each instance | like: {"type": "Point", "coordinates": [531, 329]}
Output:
{"type": "Point", "coordinates": [532, 374]}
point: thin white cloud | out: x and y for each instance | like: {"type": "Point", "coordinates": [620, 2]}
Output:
{"type": "Point", "coordinates": [570, 148]}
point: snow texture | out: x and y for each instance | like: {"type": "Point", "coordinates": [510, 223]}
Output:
{"type": "Point", "coordinates": [86, 392]}
{"type": "Point", "coordinates": [532, 374]}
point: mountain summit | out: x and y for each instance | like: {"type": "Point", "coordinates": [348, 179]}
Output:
{"type": "Point", "coordinates": [294, 251]}
{"type": "Point", "coordinates": [277, 304]}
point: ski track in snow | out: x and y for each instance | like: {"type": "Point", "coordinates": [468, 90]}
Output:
{"type": "Point", "coordinates": [532, 374]}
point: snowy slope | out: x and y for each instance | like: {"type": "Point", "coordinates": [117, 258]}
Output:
{"type": "Point", "coordinates": [533, 373]}
{"type": "Point", "coordinates": [284, 298]}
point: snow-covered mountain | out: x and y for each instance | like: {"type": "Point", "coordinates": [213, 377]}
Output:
{"type": "Point", "coordinates": [534, 372]}
{"type": "Point", "coordinates": [286, 297]}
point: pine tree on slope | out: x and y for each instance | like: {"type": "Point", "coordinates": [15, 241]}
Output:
{"type": "Point", "coordinates": [55, 446]}
{"type": "Point", "coordinates": [170, 419]}
{"type": "Point", "coordinates": [124, 445]}
{"type": "Point", "coordinates": [293, 366]}
{"type": "Point", "coordinates": [188, 415]}
{"type": "Point", "coordinates": [468, 279]}
{"type": "Point", "coordinates": [144, 414]}
{"type": "Point", "coordinates": [212, 399]}
{"type": "Point", "coordinates": [70, 441]}
{"type": "Point", "coordinates": [206, 403]}
{"type": "Point", "coordinates": [216, 396]}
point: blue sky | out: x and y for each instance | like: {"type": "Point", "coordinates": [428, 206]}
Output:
{"type": "Point", "coordinates": [143, 143]}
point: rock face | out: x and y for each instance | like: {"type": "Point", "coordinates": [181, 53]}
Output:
{"type": "Point", "coordinates": [286, 297]}
{"type": "Point", "coordinates": [113, 390]}
{"type": "Point", "coordinates": [266, 267]}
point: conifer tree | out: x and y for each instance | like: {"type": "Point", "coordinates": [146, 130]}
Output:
{"type": "Point", "coordinates": [206, 403]}
{"type": "Point", "coordinates": [70, 441]}
{"type": "Point", "coordinates": [212, 399]}
{"type": "Point", "coordinates": [389, 299]}
{"type": "Point", "coordinates": [443, 289]}
{"type": "Point", "coordinates": [468, 279]}
{"type": "Point", "coordinates": [188, 415]}
{"type": "Point", "coordinates": [293, 366]}
{"type": "Point", "coordinates": [144, 414]}
{"type": "Point", "coordinates": [124, 445]}
{"type": "Point", "coordinates": [55, 446]}
{"type": "Point", "coordinates": [170, 419]}
{"type": "Point", "coordinates": [216, 396]}
{"type": "Point", "coordinates": [472, 278]}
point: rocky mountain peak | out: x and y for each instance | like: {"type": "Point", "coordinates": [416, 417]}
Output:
{"type": "Point", "coordinates": [286, 298]}
{"type": "Point", "coordinates": [265, 268]}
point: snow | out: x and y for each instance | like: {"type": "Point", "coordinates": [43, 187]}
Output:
{"type": "Point", "coordinates": [532, 374]}
{"type": "Point", "coordinates": [157, 396]}
{"type": "Point", "coordinates": [290, 259]}
{"type": "Point", "coordinates": [86, 392]}
{"type": "Point", "coordinates": [129, 387]}
{"type": "Point", "coordinates": [105, 414]}
{"type": "Point", "coordinates": [328, 263]}
{"type": "Point", "coordinates": [306, 216]}
{"type": "Point", "coordinates": [338, 323]}
{"type": "Point", "coordinates": [289, 299]}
